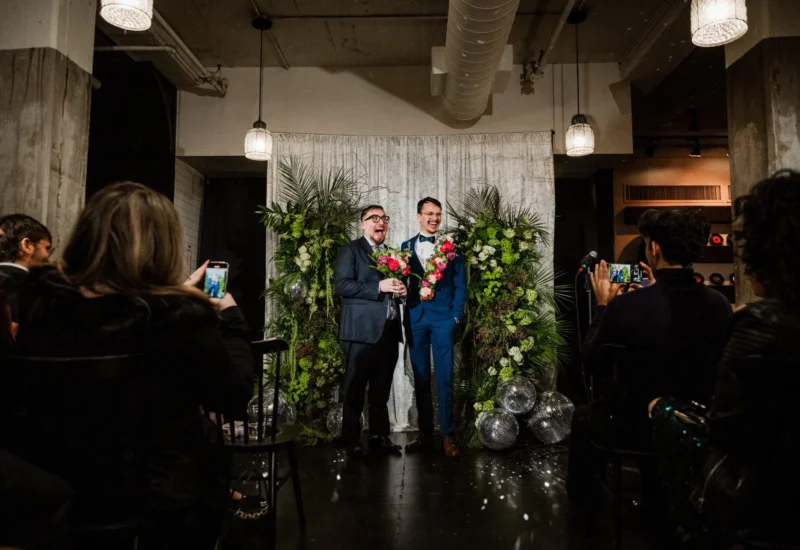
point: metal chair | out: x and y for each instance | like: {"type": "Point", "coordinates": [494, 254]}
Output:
{"type": "Point", "coordinates": [257, 440]}
{"type": "Point", "coordinates": [88, 421]}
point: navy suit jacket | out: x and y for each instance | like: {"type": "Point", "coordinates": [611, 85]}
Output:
{"type": "Point", "coordinates": [364, 306]}
{"type": "Point", "coordinates": [450, 291]}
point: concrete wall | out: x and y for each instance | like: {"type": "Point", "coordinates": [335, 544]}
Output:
{"type": "Point", "coordinates": [396, 101]}
{"type": "Point", "coordinates": [765, 19]}
{"type": "Point", "coordinates": [188, 201]}
{"type": "Point", "coordinates": [670, 171]}
{"type": "Point", "coordinates": [64, 25]}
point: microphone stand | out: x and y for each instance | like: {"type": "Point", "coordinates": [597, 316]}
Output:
{"type": "Point", "coordinates": [587, 285]}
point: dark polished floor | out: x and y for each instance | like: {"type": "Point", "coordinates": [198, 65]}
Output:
{"type": "Point", "coordinates": [484, 499]}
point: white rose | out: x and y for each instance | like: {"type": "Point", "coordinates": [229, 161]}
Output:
{"type": "Point", "coordinates": [524, 246]}
{"type": "Point", "coordinates": [477, 247]}
{"type": "Point", "coordinates": [482, 256]}
{"type": "Point", "coordinates": [302, 250]}
{"type": "Point", "coordinates": [503, 362]}
{"type": "Point", "coordinates": [473, 260]}
{"type": "Point", "coordinates": [509, 233]}
{"type": "Point", "coordinates": [493, 263]}
{"type": "Point", "coordinates": [492, 371]}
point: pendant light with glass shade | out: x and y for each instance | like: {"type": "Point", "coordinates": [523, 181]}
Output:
{"type": "Point", "coordinates": [580, 136]}
{"type": "Point", "coordinates": [131, 15]}
{"type": "Point", "coordinates": [718, 22]}
{"type": "Point", "coordinates": [258, 141]}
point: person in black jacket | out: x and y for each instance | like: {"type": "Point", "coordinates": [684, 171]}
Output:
{"type": "Point", "coordinates": [673, 332]}
{"type": "Point", "coordinates": [370, 332]}
{"type": "Point", "coordinates": [735, 479]}
{"type": "Point", "coordinates": [24, 243]}
{"type": "Point", "coordinates": [119, 289]}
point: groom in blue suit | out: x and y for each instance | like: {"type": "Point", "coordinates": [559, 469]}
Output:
{"type": "Point", "coordinates": [430, 326]}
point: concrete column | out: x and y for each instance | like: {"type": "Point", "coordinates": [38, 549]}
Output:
{"type": "Point", "coordinates": [763, 121]}
{"type": "Point", "coordinates": [46, 49]}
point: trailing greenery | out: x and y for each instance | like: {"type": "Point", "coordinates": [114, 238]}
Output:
{"type": "Point", "coordinates": [315, 217]}
{"type": "Point", "coordinates": [512, 313]}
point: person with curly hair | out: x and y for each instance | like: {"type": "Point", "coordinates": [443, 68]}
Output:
{"type": "Point", "coordinates": [672, 333]}
{"type": "Point", "coordinates": [732, 469]}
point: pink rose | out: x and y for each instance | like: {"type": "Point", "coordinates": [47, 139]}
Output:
{"type": "Point", "coordinates": [392, 264]}
{"type": "Point", "coordinates": [406, 271]}
{"type": "Point", "coordinates": [432, 278]}
{"type": "Point", "coordinates": [383, 260]}
{"type": "Point", "coordinates": [426, 293]}
{"type": "Point", "coordinates": [441, 266]}
{"type": "Point", "coordinates": [425, 283]}
{"type": "Point", "coordinates": [451, 256]}
{"type": "Point", "coordinates": [438, 275]}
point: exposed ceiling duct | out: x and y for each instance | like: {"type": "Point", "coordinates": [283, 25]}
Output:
{"type": "Point", "coordinates": [477, 33]}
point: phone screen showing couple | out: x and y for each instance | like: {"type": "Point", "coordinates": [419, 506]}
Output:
{"type": "Point", "coordinates": [625, 273]}
{"type": "Point", "coordinates": [216, 282]}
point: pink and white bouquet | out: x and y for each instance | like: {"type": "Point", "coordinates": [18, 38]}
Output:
{"type": "Point", "coordinates": [443, 253]}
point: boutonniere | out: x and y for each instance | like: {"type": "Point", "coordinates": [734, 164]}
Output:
{"type": "Point", "coordinates": [443, 253]}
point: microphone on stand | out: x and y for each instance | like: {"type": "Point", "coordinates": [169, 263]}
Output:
{"type": "Point", "coordinates": [587, 261]}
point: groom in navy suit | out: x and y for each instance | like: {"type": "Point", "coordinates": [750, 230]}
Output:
{"type": "Point", "coordinates": [430, 325]}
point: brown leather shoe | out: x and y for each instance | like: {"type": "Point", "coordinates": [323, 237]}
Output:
{"type": "Point", "coordinates": [450, 447]}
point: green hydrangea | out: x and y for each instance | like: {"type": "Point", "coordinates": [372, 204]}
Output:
{"type": "Point", "coordinates": [506, 245]}
{"type": "Point", "coordinates": [492, 232]}
{"type": "Point", "coordinates": [488, 405]}
{"type": "Point", "coordinates": [531, 295]}
{"type": "Point", "coordinates": [506, 373]}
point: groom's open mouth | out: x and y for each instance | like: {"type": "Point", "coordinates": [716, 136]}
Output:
{"type": "Point", "coordinates": [380, 231]}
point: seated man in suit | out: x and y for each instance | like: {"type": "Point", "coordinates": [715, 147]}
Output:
{"type": "Point", "coordinates": [673, 332]}
{"type": "Point", "coordinates": [370, 332]}
{"type": "Point", "coordinates": [24, 242]}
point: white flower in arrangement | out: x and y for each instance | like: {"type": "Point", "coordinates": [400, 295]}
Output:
{"type": "Point", "coordinates": [509, 233]}
{"type": "Point", "coordinates": [493, 263]}
{"type": "Point", "coordinates": [478, 406]}
{"type": "Point", "coordinates": [478, 246]}
{"type": "Point", "coordinates": [528, 235]}
{"type": "Point", "coordinates": [523, 246]}
{"type": "Point", "coordinates": [302, 250]}
{"type": "Point", "coordinates": [492, 371]}
{"type": "Point", "coordinates": [473, 260]}
{"type": "Point", "coordinates": [482, 256]}
{"type": "Point", "coordinates": [504, 362]}
{"type": "Point", "coordinates": [482, 267]}
{"type": "Point", "coordinates": [489, 250]}
{"type": "Point", "coordinates": [515, 354]}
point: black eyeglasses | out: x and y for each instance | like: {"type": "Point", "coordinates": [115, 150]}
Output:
{"type": "Point", "coordinates": [376, 218]}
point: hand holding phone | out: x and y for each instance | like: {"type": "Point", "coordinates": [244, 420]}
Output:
{"type": "Point", "coordinates": [625, 273]}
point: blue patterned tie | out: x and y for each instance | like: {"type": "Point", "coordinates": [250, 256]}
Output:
{"type": "Point", "coordinates": [424, 239]}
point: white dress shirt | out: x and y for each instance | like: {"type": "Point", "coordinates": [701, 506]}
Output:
{"type": "Point", "coordinates": [424, 250]}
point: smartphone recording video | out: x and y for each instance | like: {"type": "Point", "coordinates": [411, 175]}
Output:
{"type": "Point", "coordinates": [625, 273]}
{"type": "Point", "coordinates": [216, 282]}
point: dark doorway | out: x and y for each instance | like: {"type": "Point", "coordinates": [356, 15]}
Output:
{"type": "Point", "coordinates": [231, 232]}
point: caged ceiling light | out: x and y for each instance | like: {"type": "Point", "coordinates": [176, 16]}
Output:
{"type": "Point", "coordinates": [579, 140]}
{"type": "Point", "coordinates": [131, 15]}
{"type": "Point", "coordinates": [258, 141]}
{"type": "Point", "coordinates": [718, 22]}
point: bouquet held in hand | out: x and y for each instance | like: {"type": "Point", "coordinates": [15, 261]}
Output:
{"type": "Point", "coordinates": [392, 264]}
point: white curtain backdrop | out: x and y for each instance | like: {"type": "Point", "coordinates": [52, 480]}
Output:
{"type": "Point", "coordinates": [400, 170]}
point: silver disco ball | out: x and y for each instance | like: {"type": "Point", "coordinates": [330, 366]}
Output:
{"type": "Point", "coordinates": [335, 418]}
{"type": "Point", "coordinates": [498, 429]}
{"type": "Point", "coordinates": [545, 377]}
{"type": "Point", "coordinates": [287, 414]}
{"type": "Point", "coordinates": [517, 395]}
{"type": "Point", "coordinates": [297, 289]}
{"type": "Point", "coordinates": [551, 417]}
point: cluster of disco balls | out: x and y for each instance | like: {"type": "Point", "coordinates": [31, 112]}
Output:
{"type": "Point", "coordinates": [549, 417]}
{"type": "Point", "coordinates": [335, 418]}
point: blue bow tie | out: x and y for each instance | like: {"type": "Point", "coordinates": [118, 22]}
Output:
{"type": "Point", "coordinates": [424, 239]}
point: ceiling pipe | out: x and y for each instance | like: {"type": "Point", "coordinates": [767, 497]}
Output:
{"type": "Point", "coordinates": [477, 35]}
{"type": "Point", "coordinates": [274, 40]}
{"type": "Point", "coordinates": [389, 16]}
{"type": "Point", "coordinates": [168, 37]}
{"type": "Point", "coordinates": [544, 57]}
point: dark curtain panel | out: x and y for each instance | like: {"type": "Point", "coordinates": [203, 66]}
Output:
{"type": "Point", "coordinates": [231, 232]}
{"type": "Point", "coordinates": [132, 128]}
{"type": "Point", "coordinates": [575, 234]}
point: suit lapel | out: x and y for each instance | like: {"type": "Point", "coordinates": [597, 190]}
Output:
{"type": "Point", "coordinates": [416, 264]}
{"type": "Point", "coordinates": [366, 246]}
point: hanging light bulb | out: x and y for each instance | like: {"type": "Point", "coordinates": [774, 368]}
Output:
{"type": "Point", "coordinates": [579, 140]}
{"type": "Point", "coordinates": [131, 15]}
{"type": "Point", "coordinates": [718, 22]}
{"type": "Point", "coordinates": [258, 141]}
{"type": "Point", "coordinates": [580, 137]}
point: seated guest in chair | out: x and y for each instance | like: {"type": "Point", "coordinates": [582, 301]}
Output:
{"type": "Point", "coordinates": [672, 331]}
{"type": "Point", "coordinates": [24, 243]}
{"type": "Point", "coordinates": [370, 332]}
{"type": "Point", "coordinates": [734, 478]}
{"type": "Point", "coordinates": [119, 289]}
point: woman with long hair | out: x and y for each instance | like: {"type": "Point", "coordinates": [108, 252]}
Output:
{"type": "Point", "coordinates": [119, 289]}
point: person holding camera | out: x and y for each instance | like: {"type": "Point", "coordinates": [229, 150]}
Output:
{"type": "Point", "coordinates": [672, 332]}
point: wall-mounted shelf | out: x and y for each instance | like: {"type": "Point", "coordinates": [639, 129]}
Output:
{"type": "Point", "coordinates": [714, 214]}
